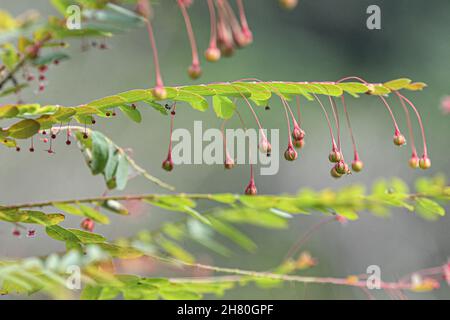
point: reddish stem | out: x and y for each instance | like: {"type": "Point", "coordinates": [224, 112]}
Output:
{"type": "Point", "coordinates": [397, 130]}
{"type": "Point", "coordinates": [159, 81]}
{"type": "Point", "coordinates": [336, 119]}
{"type": "Point", "coordinates": [242, 16]}
{"type": "Point", "coordinates": [288, 122]}
{"type": "Point", "coordinates": [355, 152]}
{"type": "Point", "coordinates": [408, 121]}
{"type": "Point", "coordinates": [190, 32]}
{"type": "Point", "coordinates": [381, 97]}
{"type": "Point", "coordinates": [333, 141]}
{"type": "Point", "coordinates": [419, 119]}
{"type": "Point", "coordinates": [212, 17]}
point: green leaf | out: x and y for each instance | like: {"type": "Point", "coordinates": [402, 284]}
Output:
{"type": "Point", "coordinates": [397, 84]}
{"type": "Point", "coordinates": [91, 292]}
{"type": "Point", "coordinates": [10, 143]}
{"type": "Point", "coordinates": [132, 113]}
{"type": "Point", "coordinates": [61, 234]}
{"type": "Point", "coordinates": [173, 249]}
{"type": "Point", "coordinates": [196, 101]}
{"type": "Point", "coordinates": [223, 107]}
{"type": "Point", "coordinates": [111, 167]}
{"type": "Point", "coordinates": [121, 175]}
{"type": "Point", "coordinates": [257, 217]}
{"type": "Point", "coordinates": [258, 92]}
{"type": "Point", "coordinates": [48, 219]}
{"type": "Point", "coordinates": [70, 209]}
{"type": "Point", "coordinates": [8, 111]}
{"type": "Point", "coordinates": [156, 106]}
{"type": "Point", "coordinates": [233, 234]}
{"type": "Point", "coordinates": [197, 215]}
{"type": "Point", "coordinates": [64, 114]}
{"type": "Point", "coordinates": [100, 152]}
{"type": "Point", "coordinates": [429, 209]}
{"type": "Point", "coordinates": [177, 292]}
{"type": "Point", "coordinates": [87, 237]}
{"type": "Point", "coordinates": [93, 214]}
{"type": "Point", "coordinates": [8, 55]}
{"type": "Point", "coordinates": [24, 129]}
{"type": "Point", "coordinates": [120, 251]}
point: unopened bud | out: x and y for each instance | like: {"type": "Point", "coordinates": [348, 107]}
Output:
{"type": "Point", "coordinates": [212, 54]}
{"type": "Point", "coordinates": [334, 156]}
{"type": "Point", "coordinates": [399, 139]}
{"type": "Point", "coordinates": [357, 165]}
{"type": "Point", "coordinates": [195, 71]}
{"type": "Point", "coordinates": [424, 162]}
{"type": "Point", "coordinates": [414, 161]}
{"type": "Point", "coordinates": [251, 190]}
{"type": "Point", "coordinates": [290, 154]}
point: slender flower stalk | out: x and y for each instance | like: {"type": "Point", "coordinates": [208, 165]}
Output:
{"type": "Point", "coordinates": [397, 130]}
{"type": "Point", "coordinates": [239, 38]}
{"type": "Point", "coordinates": [333, 141]}
{"type": "Point", "coordinates": [357, 164]}
{"type": "Point", "coordinates": [144, 8]}
{"type": "Point", "coordinates": [290, 154]}
{"type": "Point", "coordinates": [168, 163]}
{"type": "Point", "coordinates": [212, 54]}
{"type": "Point", "coordinates": [336, 120]}
{"type": "Point", "coordinates": [425, 162]}
{"type": "Point", "coordinates": [399, 139]}
{"type": "Point", "coordinates": [264, 144]}
{"type": "Point", "coordinates": [224, 37]}
{"type": "Point", "coordinates": [414, 160]}
{"type": "Point", "coordinates": [194, 70]}
{"type": "Point", "coordinates": [250, 189]}
{"type": "Point", "coordinates": [228, 162]}
{"type": "Point", "coordinates": [245, 28]}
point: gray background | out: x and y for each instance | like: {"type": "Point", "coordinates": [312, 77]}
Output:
{"type": "Point", "coordinates": [320, 40]}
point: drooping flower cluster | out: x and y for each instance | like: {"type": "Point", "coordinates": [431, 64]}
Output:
{"type": "Point", "coordinates": [296, 135]}
{"type": "Point", "coordinates": [228, 30]}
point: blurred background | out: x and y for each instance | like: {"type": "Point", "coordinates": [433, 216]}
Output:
{"type": "Point", "coordinates": [318, 41]}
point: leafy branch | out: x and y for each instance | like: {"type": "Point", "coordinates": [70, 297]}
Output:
{"type": "Point", "coordinates": [49, 275]}
{"type": "Point", "coordinates": [230, 210]}
{"type": "Point", "coordinates": [44, 117]}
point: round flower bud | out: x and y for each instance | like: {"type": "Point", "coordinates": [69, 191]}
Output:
{"type": "Point", "coordinates": [227, 50]}
{"type": "Point", "coordinates": [357, 165]}
{"type": "Point", "coordinates": [88, 224]}
{"type": "Point", "coordinates": [424, 163]}
{"type": "Point", "coordinates": [298, 134]}
{"type": "Point", "coordinates": [265, 146]}
{"type": "Point", "coordinates": [290, 154]}
{"type": "Point", "coordinates": [334, 173]}
{"type": "Point", "coordinates": [399, 139]}
{"type": "Point", "coordinates": [414, 162]}
{"type": "Point", "coordinates": [229, 163]}
{"type": "Point", "coordinates": [251, 190]}
{"type": "Point", "coordinates": [167, 164]}
{"type": "Point", "coordinates": [334, 156]}
{"type": "Point", "coordinates": [341, 167]}
{"type": "Point", "coordinates": [299, 143]}
{"type": "Point", "coordinates": [212, 54]}
{"type": "Point", "coordinates": [195, 71]}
